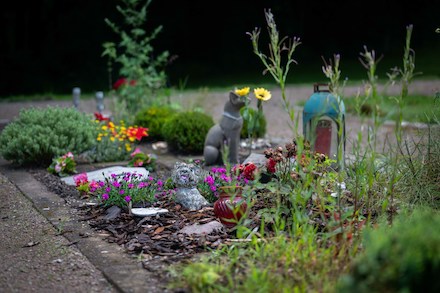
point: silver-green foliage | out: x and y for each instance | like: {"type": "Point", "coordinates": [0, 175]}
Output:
{"type": "Point", "coordinates": [36, 136]}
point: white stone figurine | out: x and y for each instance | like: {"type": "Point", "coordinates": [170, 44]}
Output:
{"type": "Point", "coordinates": [185, 177]}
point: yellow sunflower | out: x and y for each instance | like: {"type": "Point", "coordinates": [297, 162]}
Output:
{"type": "Point", "coordinates": [242, 92]}
{"type": "Point", "coordinates": [262, 94]}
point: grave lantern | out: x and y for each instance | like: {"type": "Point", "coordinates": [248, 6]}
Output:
{"type": "Point", "coordinates": [100, 101]}
{"type": "Point", "coordinates": [76, 93]}
{"type": "Point", "coordinates": [324, 123]}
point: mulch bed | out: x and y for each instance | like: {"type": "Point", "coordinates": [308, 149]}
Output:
{"type": "Point", "coordinates": [155, 237]}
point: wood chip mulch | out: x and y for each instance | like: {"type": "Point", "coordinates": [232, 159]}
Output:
{"type": "Point", "coordinates": [158, 236]}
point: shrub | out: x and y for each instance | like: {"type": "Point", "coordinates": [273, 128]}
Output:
{"type": "Point", "coordinates": [36, 136]}
{"type": "Point", "coordinates": [260, 129]}
{"type": "Point", "coordinates": [185, 132]}
{"type": "Point", "coordinates": [401, 258]}
{"type": "Point", "coordinates": [154, 118]}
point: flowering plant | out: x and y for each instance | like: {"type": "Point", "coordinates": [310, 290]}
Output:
{"type": "Point", "coordinates": [288, 164]}
{"type": "Point", "coordinates": [63, 166]}
{"type": "Point", "coordinates": [218, 177]}
{"type": "Point", "coordinates": [116, 141]}
{"type": "Point", "coordinates": [253, 118]}
{"type": "Point", "coordinates": [84, 186]}
{"type": "Point", "coordinates": [141, 159]}
{"type": "Point", "coordinates": [130, 189]}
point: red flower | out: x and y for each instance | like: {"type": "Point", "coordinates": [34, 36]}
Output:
{"type": "Point", "coordinates": [249, 171]}
{"type": "Point", "coordinates": [270, 165]}
{"type": "Point", "coordinates": [122, 81]}
{"type": "Point", "coordinates": [137, 132]}
{"type": "Point", "coordinates": [100, 117]}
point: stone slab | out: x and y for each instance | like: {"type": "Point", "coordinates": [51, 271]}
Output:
{"type": "Point", "coordinates": [197, 229]}
{"type": "Point", "coordinates": [144, 212]}
{"type": "Point", "coordinates": [101, 174]}
{"type": "Point", "coordinates": [258, 159]}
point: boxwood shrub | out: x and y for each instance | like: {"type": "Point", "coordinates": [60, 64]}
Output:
{"type": "Point", "coordinates": [153, 118]}
{"type": "Point", "coordinates": [185, 132]}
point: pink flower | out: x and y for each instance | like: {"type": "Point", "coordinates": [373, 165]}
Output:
{"type": "Point", "coordinates": [136, 151]}
{"type": "Point", "coordinates": [81, 179]}
{"type": "Point", "coordinates": [127, 198]}
{"type": "Point", "coordinates": [105, 196]}
{"type": "Point", "coordinates": [93, 186]}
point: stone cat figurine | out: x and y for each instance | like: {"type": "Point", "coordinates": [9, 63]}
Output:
{"type": "Point", "coordinates": [227, 131]}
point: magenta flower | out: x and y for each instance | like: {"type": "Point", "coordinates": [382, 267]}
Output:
{"type": "Point", "coordinates": [122, 191]}
{"type": "Point", "coordinates": [127, 198]}
{"type": "Point", "coordinates": [116, 184]}
{"type": "Point", "coordinates": [130, 185]}
{"type": "Point", "coordinates": [105, 196]}
{"type": "Point", "coordinates": [81, 179]}
{"type": "Point", "coordinates": [93, 186]}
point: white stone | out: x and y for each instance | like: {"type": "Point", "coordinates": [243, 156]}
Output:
{"type": "Point", "coordinates": [101, 174]}
{"type": "Point", "coordinates": [143, 212]}
{"type": "Point", "coordinates": [197, 229]}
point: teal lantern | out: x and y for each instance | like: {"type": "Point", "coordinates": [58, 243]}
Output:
{"type": "Point", "coordinates": [324, 123]}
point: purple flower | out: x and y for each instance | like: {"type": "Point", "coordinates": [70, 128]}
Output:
{"type": "Point", "coordinates": [127, 198]}
{"type": "Point", "coordinates": [101, 183]}
{"type": "Point", "coordinates": [108, 189]}
{"type": "Point", "coordinates": [210, 180]}
{"type": "Point", "coordinates": [113, 175]}
{"type": "Point", "coordinates": [122, 191]}
{"type": "Point", "coordinates": [105, 196]}
{"type": "Point", "coordinates": [130, 185]}
{"type": "Point", "coordinates": [160, 183]}
{"type": "Point", "coordinates": [143, 184]}
{"type": "Point", "coordinates": [213, 188]}
{"type": "Point", "coordinates": [116, 184]}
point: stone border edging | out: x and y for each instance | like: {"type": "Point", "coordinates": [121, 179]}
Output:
{"type": "Point", "coordinates": [122, 271]}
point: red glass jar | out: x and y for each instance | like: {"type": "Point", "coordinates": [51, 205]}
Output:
{"type": "Point", "coordinates": [230, 206]}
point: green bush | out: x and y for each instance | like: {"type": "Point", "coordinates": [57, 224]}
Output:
{"type": "Point", "coordinates": [154, 118]}
{"type": "Point", "coordinates": [401, 258]}
{"type": "Point", "coordinates": [260, 129]}
{"type": "Point", "coordinates": [36, 136]}
{"type": "Point", "coordinates": [185, 132]}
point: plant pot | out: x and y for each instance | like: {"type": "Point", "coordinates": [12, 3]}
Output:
{"type": "Point", "coordinates": [231, 206]}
